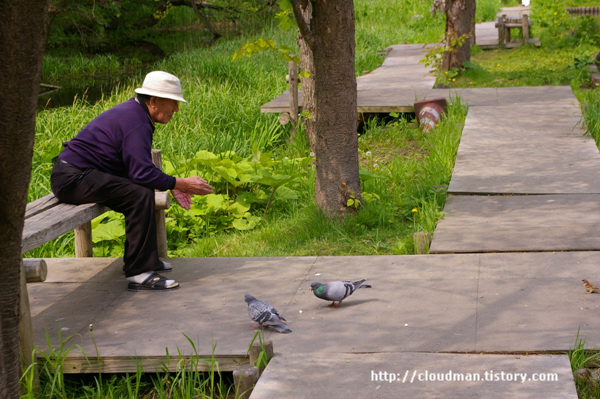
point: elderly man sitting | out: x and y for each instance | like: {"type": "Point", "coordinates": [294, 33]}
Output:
{"type": "Point", "coordinates": [109, 162]}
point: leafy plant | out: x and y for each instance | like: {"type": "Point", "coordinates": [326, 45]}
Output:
{"type": "Point", "coordinates": [434, 56]}
{"type": "Point", "coordinates": [108, 234]}
{"type": "Point", "coordinates": [243, 186]}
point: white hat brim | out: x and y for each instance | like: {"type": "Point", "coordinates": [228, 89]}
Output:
{"type": "Point", "coordinates": [156, 93]}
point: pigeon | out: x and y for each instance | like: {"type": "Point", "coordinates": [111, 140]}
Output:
{"type": "Point", "coordinates": [337, 291]}
{"type": "Point", "coordinates": [589, 287]}
{"type": "Point", "coordinates": [265, 314]}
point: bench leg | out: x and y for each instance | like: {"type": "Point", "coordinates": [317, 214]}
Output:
{"type": "Point", "coordinates": [25, 327]}
{"type": "Point", "coordinates": [161, 234]}
{"type": "Point", "coordinates": [500, 25]}
{"type": "Point", "coordinates": [525, 29]}
{"type": "Point", "coordinates": [83, 241]}
{"type": "Point", "coordinates": [161, 228]}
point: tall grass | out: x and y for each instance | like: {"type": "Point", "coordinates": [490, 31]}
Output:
{"type": "Point", "coordinates": [188, 381]}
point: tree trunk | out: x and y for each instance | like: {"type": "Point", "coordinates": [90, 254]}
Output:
{"type": "Point", "coordinates": [460, 15]}
{"type": "Point", "coordinates": [308, 83]}
{"type": "Point", "coordinates": [331, 100]}
{"type": "Point", "coordinates": [22, 34]}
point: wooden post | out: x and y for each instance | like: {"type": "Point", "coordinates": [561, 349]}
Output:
{"type": "Point", "coordinates": [293, 84]}
{"type": "Point", "coordinates": [507, 38]}
{"type": "Point", "coordinates": [25, 326]}
{"type": "Point", "coordinates": [257, 348]}
{"type": "Point", "coordinates": [525, 28]}
{"type": "Point", "coordinates": [244, 379]}
{"type": "Point", "coordinates": [422, 241]}
{"type": "Point", "coordinates": [161, 228]}
{"type": "Point", "coordinates": [83, 241]}
{"type": "Point", "coordinates": [500, 26]}
{"type": "Point", "coordinates": [36, 270]}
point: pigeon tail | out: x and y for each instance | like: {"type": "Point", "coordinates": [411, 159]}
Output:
{"type": "Point", "coordinates": [282, 328]}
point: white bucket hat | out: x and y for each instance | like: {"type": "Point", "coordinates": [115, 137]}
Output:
{"type": "Point", "coordinates": [161, 84]}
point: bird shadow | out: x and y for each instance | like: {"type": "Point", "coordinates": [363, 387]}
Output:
{"type": "Point", "coordinates": [352, 303]}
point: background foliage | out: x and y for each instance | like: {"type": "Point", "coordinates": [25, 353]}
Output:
{"type": "Point", "coordinates": [263, 177]}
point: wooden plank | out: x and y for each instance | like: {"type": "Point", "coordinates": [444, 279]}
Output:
{"type": "Point", "coordinates": [280, 104]}
{"type": "Point", "coordinates": [47, 218]}
{"type": "Point", "coordinates": [43, 227]}
{"type": "Point", "coordinates": [525, 28]}
{"type": "Point", "coordinates": [359, 375]}
{"type": "Point", "coordinates": [149, 364]}
{"type": "Point", "coordinates": [521, 223]}
{"type": "Point", "coordinates": [40, 205]}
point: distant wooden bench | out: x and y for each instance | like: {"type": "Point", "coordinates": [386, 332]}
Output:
{"type": "Point", "coordinates": [505, 24]}
{"type": "Point", "coordinates": [47, 219]}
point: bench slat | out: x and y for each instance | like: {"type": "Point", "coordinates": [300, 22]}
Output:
{"type": "Point", "coordinates": [43, 227]}
{"type": "Point", "coordinates": [40, 205]}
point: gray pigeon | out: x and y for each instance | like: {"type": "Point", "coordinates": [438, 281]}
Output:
{"type": "Point", "coordinates": [337, 291]}
{"type": "Point", "coordinates": [265, 314]}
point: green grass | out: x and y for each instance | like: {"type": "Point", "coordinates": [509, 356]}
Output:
{"type": "Point", "coordinates": [526, 66]}
{"type": "Point", "coordinates": [408, 170]}
{"type": "Point", "coordinates": [195, 377]}
{"type": "Point", "coordinates": [585, 360]}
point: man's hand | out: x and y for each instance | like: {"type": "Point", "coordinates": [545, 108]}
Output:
{"type": "Point", "coordinates": [185, 187]}
{"type": "Point", "coordinates": [183, 199]}
{"type": "Point", "coordinates": [193, 185]}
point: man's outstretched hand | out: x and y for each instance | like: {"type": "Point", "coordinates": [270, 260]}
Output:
{"type": "Point", "coordinates": [183, 199]}
{"type": "Point", "coordinates": [186, 187]}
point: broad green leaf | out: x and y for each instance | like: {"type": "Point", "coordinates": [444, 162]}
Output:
{"type": "Point", "coordinates": [239, 210]}
{"type": "Point", "coordinates": [214, 201]}
{"type": "Point", "coordinates": [366, 175]}
{"type": "Point", "coordinates": [111, 231]}
{"type": "Point", "coordinates": [246, 224]}
{"type": "Point", "coordinates": [285, 193]}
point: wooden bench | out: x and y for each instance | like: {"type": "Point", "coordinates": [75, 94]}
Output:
{"type": "Point", "coordinates": [505, 24]}
{"type": "Point", "coordinates": [47, 219]}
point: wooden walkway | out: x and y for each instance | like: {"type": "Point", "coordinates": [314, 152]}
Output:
{"type": "Point", "coordinates": [402, 79]}
{"type": "Point", "coordinates": [503, 287]}
{"type": "Point", "coordinates": [393, 87]}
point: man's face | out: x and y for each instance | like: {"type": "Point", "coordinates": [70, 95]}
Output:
{"type": "Point", "coordinates": [162, 109]}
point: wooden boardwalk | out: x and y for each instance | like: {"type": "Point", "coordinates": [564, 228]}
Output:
{"type": "Point", "coordinates": [393, 87]}
{"type": "Point", "coordinates": [402, 79]}
{"type": "Point", "coordinates": [503, 286]}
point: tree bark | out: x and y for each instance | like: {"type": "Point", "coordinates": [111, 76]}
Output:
{"type": "Point", "coordinates": [460, 15]}
{"type": "Point", "coordinates": [308, 83]}
{"type": "Point", "coordinates": [330, 97]}
{"type": "Point", "coordinates": [22, 38]}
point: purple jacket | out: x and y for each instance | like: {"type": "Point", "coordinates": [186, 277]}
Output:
{"type": "Point", "coordinates": [119, 142]}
